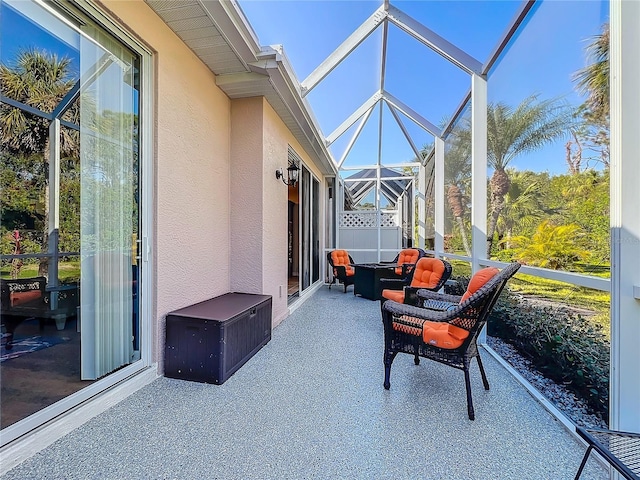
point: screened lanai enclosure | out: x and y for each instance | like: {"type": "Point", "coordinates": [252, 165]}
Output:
{"type": "Point", "coordinates": [514, 165]}
{"type": "Point", "coordinates": [481, 132]}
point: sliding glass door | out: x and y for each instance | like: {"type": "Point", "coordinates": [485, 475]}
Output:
{"type": "Point", "coordinates": [310, 230]}
{"type": "Point", "coordinates": [70, 219]}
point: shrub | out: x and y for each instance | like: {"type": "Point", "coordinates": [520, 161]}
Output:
{"type": "Point", "coordinates": [565, 347]}
{"type": "Point", "coordinates": [551, 246]}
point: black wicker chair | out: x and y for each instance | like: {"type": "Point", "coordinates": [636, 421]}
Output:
{"type": "Point", "coordinates": [341, 264]}
{"type": "Point", "coordinates": [407, 326]}
{"type": "Point", "coordinates": [405, 261]}
{"type": "Point", "coordinates": [429, 273]}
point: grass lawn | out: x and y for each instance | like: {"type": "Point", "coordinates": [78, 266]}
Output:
{"type": "Point", "coordinates": [552, 290]}
{"type": "Point", "coordinates": [68, 271]}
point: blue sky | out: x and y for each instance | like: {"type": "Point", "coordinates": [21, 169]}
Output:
{"type": "Point", "coordinates": [541, 61]}
{"type": "Point", "coordinates": [18, 32]}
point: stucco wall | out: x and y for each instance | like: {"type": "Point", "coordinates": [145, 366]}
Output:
{"type": "Point", "coordinates": [259, 146]}
{"type": "Point", "coordinates": [277, 138]}
{"type": "Point", "coordinates": [191, 177]}
{"type": "Point", "coordinates": [247, 184]}
{"type": "Point", "coordinates": [220, 214]}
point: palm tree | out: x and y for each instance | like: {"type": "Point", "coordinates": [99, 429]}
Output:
{"type": "Point", "coordinates": [40, 80]}
{"type": "Point", "coordinates": [523, 207]}
{"type": "Point", "coordinates": [511, 132]}
{"type": "Point", "coordinates": [457, 174]}
{"type": "Point", "coordinates": [593, 80]}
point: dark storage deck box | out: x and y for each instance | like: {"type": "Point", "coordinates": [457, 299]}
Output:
{"type": "Point", "coordinates": [209, 341]}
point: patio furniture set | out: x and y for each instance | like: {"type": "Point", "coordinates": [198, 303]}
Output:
{"type": "Point", "coordinates": [366, 277]}
{"type": "Point", "coordinates": [420, 321]}
{"type": "Point", "coordinates": [417, 319]}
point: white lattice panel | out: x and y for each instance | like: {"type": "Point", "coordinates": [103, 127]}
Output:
{"type": "Point", "coordinates": [367, 219]}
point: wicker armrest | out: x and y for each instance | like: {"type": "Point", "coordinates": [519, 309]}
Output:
{"type": "Point", "coordinates": [411, 297]}
{"type": "Point", "coordinates": [438, 305]}
{"type": "Point", "coordinates": [443, 297]}
{"type": "Point", "coordinates": [398, 309]}
{"type": "Point", "coordinates": [341, 270]}
{"type": "Point", "coordinates": [407, 267]}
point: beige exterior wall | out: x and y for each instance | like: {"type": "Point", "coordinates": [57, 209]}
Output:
{"type": "Point", "coordinates": [277, 139]}
{"type": "Point", "coordinates": [259, 146]}
{"type": "Point", "coordinates": [247, 185]}
{"type": "Point", "coordinates": [191, 177]}
{"type": "Point", "coordinates": [220, 214]}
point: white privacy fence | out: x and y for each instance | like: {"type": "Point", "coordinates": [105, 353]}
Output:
{"type": "Point", "coordinates": [364, 232]}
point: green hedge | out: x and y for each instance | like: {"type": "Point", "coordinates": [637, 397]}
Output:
{"type": "Point", "coordinates": [565, 347]}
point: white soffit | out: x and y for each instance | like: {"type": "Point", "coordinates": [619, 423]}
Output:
{"type": "Point", "coordinates": [193, 21]}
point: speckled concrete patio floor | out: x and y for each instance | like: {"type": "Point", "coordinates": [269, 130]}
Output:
{"type": "Point", "coordinates": [311, 404]}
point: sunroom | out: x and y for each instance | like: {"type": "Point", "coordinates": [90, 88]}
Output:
{"type": "Point", "coordinates": [210, 116]}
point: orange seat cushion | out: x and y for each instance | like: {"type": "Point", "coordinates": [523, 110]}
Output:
{"type": "Point", "coordinates": [395, 295]}
{"type": "Point", "coordinates": [443, 335]}
{"type": "Point", "coordinates": [438, 334]}
{"type": "Point", "coordinates": [341, 258]}
{"type": "Point", "coordinates": [19, 298]}
{"type": "Point", "coordinates": [428, 273]}
{"type": "Point", "coordinates": [480, 278]}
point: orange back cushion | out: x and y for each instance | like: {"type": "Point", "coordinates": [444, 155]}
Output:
{"type": "Point", "coordinates": [341, 257]}
{"type": "Point", "coordinates": [478, 280]}
{"type": "Point", "coordinates": [408, 255]}
{"type": "Point", "coordinates": [428, 273]}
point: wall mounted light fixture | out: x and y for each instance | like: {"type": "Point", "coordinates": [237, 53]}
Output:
{"type": "Point", "coordinates": [292, 175]}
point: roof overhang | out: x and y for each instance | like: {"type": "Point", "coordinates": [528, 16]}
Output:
{"type": "Point", "coordinates": [220, 35]}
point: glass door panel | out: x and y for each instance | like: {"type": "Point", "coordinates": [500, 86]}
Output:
{"type": "Point", "coordinates": [69, 200]}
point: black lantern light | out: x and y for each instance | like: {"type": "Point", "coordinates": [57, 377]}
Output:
{"type": "Point", "coordinates": [292, 175]}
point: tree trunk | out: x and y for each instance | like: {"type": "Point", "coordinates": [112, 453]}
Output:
{"type": "Point", "coordinates": [463, 234]}
{"type": "Point", "coordinates": [497, 205]}
{"type": "Point", "coordinates": [499, 185]}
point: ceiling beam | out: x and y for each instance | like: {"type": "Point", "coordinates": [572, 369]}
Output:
{"type": "Point", "coordinates": [340, 53]}
{"type": "Point", "coordinates": [405, 132]}
{"type": "Point", "coordinates": [434, 41]}
{"type": "Point", "coordinates": [383, 63]}
{"type": "Point", "coordinates": [412, 114]}
{"type": "Point", "coordinates": [353, 118]}
{"type": "Point", "coordinates": [356, 134]}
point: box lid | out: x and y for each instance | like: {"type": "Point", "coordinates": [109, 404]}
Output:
{"type": "Point", "coordinates": [223, 307]}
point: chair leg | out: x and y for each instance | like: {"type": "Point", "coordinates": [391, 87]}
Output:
{"type": "Point", "coordinates": [482, 374]}
{"type": "Point", "coordinates": [584, 462]}
{"type": "Point", "coordinates": [388, 360]}
{"type": "Point", "coordinates": [333, 280]}
{"type": "Point", "coordinates": [467, 383]}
